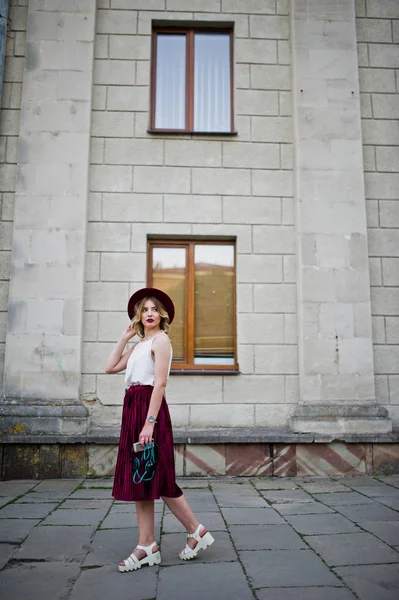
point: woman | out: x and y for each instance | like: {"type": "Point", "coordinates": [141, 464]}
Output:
{"type": "Point", "coordinates": [146, 419]}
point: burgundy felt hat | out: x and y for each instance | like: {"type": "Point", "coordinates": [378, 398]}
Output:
{"type": "Point", "coordinates": [147, 293]}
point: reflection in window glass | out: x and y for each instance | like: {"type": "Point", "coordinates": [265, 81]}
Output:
{"type": "Point", "coordinates": [214, 304]}
{"type": "Point", "coordinates": [170, 109]}
{"type": "Point", "coordinates": [169, 275]}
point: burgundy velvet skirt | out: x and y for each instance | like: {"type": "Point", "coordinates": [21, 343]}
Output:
{"type": "Point", "coordinates": [135, 409]}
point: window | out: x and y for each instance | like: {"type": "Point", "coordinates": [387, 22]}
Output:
{"type": "Point", "coordinates": [200, 278]}
{"type": "Point", "coordinates": [191, 80]}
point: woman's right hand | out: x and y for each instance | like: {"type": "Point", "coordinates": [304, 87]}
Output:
{"type": "Point", "coordinates": [128, 334]}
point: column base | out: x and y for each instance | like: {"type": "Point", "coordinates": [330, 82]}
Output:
{"type": "Point", "coordinates": [42, 417]}
{"type": "Point", "coordinates": [339, 419]}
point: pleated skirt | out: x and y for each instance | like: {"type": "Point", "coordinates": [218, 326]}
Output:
{"type": "Point", "coordinates": [135, 410]}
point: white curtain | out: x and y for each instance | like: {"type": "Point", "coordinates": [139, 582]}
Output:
{"type": "Point", "coordinates": [212, 91]}
{"type": "Point", "coordinates": [170, 100]}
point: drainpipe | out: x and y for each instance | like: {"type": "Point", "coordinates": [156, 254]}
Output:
{"type": "Point", "coordinates": [3, 34]}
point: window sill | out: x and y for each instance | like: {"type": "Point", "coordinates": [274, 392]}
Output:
{"type": "Point", "coordinates": [181, 132]}
{"type": "Point", "coordinates": [205, 372]}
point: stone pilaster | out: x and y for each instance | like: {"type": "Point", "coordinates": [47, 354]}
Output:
{"type": "Point", "coordinates": [334, 312]}
{"type": "Point", "coordinates": [43, 344]}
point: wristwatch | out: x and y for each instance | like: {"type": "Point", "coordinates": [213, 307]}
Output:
{"type": "Point", "coordinates": [151, 419]}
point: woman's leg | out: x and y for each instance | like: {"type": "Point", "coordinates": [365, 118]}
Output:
{"type": "Point", "coordinates": [145, 522]}
{"type": "Point", "coordinates": [182, 511]}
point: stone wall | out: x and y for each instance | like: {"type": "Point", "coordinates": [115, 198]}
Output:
{"type": "Point", "coordinates": [191, 185]}
{"type": "Point", "coordinates": [377, 24]}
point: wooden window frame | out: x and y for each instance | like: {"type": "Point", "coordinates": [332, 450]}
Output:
{"type": "Point", "coordinates": [190, 33]}
{"type": "Point", "coordinates": [187, 367]}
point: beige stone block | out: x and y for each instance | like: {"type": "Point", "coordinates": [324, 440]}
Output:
{"type": "Point", "coordinates": [317, 284]}
{"type": "Point", "coordinates": [269, 239]}
{"type": "Point", "coordinates": [366, 110]}
{"type": "Point", "coordinates": [377, 80]}
{"type": "Point", "coordinates": [256, 51]}
{"type": "Point", "coordinates": [270, 77]}
{"type": "Point", "coordinates": [251, 155]}
{"type": "Point", "coordinates": [375, 268]}
{"type": "Point", "coordinates": [335, 218]}
{"type": "Point", "coordinates": [192, 209]}
{"type": "Point", "coordinates": [384, 301]}
{"type": "Point", "coordinates": [90, 327]}
{"type": "Point", "coordinates": [362, 313]}
{"type": "Point", "coordinates": [198, 5]}
{"type": "Point", "coordinates": [384, 55]}
{"type": "Point", "coordinates": [111, 237]}
{"type": "Point", "coordinates": [44, 316]}
{"type": "Point", "coordinates": [130, 47]}
{"type": "Point", "coordinates": [193, 153]}
{"type": "Point", "coordinates": [373, 30]}
{"type": "Point", "coordinates": [259, 269]}
{"type": "Point", "coordinates": [114, 21]}
{"type": "Point", "coordinates": [390, 271]}
{"type": "Point", "coordinates": [275, 298]}
{"type": "Point", "coordinates": [146, 17]}
{"type": "Point", "coordinates": [393, 389]}
{"type": "Point", "coordinates": [139, 232]}
{"type": "Point", "coordinates": [245, 298]}
{"type": "Point", "coordinates": [112, 124]}
{"type": "Point", "coordinates": [13, 69]}
{"type": "Point", "coordinates": [241, 76]}
{"type": "Point", "coordinates": [5, 264]}
{"type": "Point", "coordinates": [269, 27]}
{"type": "Point", "coordinates": [372, 213]}
{"type": "Point", "coordinates": [276, 360]}
{"type": "Point", "coordinates": [255, 389]}
{"type": "Point", "coordinates": [381, 389]}
{"type": "Point", "coordinates": [273, 415]}
{"type": "Point", "coordinates": [101, 46]}
{"type": "Point", "coordinates": [284, 53]}
{"type": "Point", "coordinates": [285, 104]}
{"type": "Point", "coordinates": [128, 98]}
{"type": "Point", "coordinates": [380, 132]}
{"type": "Point", "coordinates": [7, 212]}
{"type": "Point", "coordinates": [266, 7]}
{"type": "Point", "coordinates": [221, 181]}
{"type": "Point", "coordinates": [50, 116]}
{"type": "Point", "coordinates": [133, 152]}
{"type": "Point", "coordinates": [352, 285]}
{"type": "Point", "coordinates": [288, 206]}
{"type": "Point", "coordinates": [117, 266]}
{"type": "Point", "coordinates": [272, 183]}
{"type": "Point", "coordinates": [389, 213]}
{"type": "Point", "coordinates": [95, 207]}
{"type": "Point", "coordinates": [385, 106]}
{"type": "Point", "coordinates": [167, 180]}
{"type": "Point", "coordinates": [12, 150]}
{"type": "Point", "coordinates": [131, 207]}
{"type": "Point", "coordinates": [237, 209]}
{"type": "Point", "coordinates": [194, 390]}
{"type": "Point", "coordinates": [383, 242]}
{"type": "Point", "coordinates": [96, 151]}
{"type": "Point", "coordinates": [226, 415]}
{"type": "Point", "coordinates": [106, 178]}
{"type": "Point", "coordinates": [6, 231]}
{"type": "Point", "coordinates": [74, 25]}
{"type": "Point", "coordinates": [7, 177]}
{"type": "Point", "coordinates": [180, 415]}
{"type": "Point", "coordinates": [255, 102]}
{"type": "Point", "coordinates": [287, 156]}
{"type": "Point", "coordinates": [111, 388]}
{"type": "Point", "coordinates": [356, 356]}
{"type": "Point", "coordinates": [66, 55]}
{"type": "Point", "coordinates": [289, 269]}
{"type": "Point", "coordinates": [392, 328]}
{"type": "Point", "coordinates": [139, 4]}
{"type": "Point", "coordinates": [395, 30]}
{"type": "Point", "coordinates": [387, 158]}
{"type": "Point", "coordinates": [246, 359]}
{"type": "Point", "coordinates": [109, 296]}
{"type": "Point", "coordinates": [386, 359]}
{"type": "Point", "coordinates": [99, 97]}
{"type": "Point", "coordinates": [260, 328]}
{"type": "Point", "coordinates": [111, 325]}
{"type": "Point", "coordinates": [4, 291]}
{"type": "Point", "coordinates": [290, 329]}
{"type": "Point", "coordinates": [143, 73]}
{"type": "Point", "coordinates": [369, 158]}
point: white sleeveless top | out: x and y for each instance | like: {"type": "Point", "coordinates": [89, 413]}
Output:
{"type": "Point", "coordinates": [140, 368]}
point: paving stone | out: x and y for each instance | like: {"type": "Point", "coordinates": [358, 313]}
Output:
{"type": "Point", "coordinates": [212, 521]}
{"type": "Point", "coordinates": [372, 582]}
{"type": "Point", "coordinates": [41, 497]}
{"type": "Point", "coordinates": [387, 531]}
{"type": "Point", "coordinates": [98, 483]}
{"type": "Point", "coordinates": [369, 512]}
{"type": "Point", "coordinates": [305, 593]}
{"type": "Point", "coordinates": [104, 504]}
{"type": "Point", "coordinates": [27, 511]}
{"type": "Point", "coordinates": [266, 537]}
{"type": "Point", "coordinates": [107, 582]}
{"type": "Point", "coordinates": [286, 568]}
{"type": "Point", "coordinates": [222, 549]}
{"type": "Point", "coordinates": [321, 524]}
{"type": "Point", "coordinates": [252, 516]}
{"type": "Point", "coordinates": [36, 581]}
{"type": "Point", "coordinates": [306, 508]}
{"type": "Point", "coordinates": [5, 500]}
{"type": "Point", "coordinates": [16, 530]}
{"type": "Point", "coordinates": [358, 481]}
{"type": "Point", "coordinates": [92, 493]}
{"type": "Point", "coordinates": [111, 546]}
{"type": "Point", "coordinates": [274, 484]}
{"type": "Point", "coordinates": [6, 552]}
{"type": "Point", "coordinates": [130, 507]}
{"type": "Point", "coordinates": [206, 505]}
{"type": "Point", "coordinates": [324, 487]}
{"type": "Point", "coordinates": [286, 496]}
{"type": "Point", "coordinates": [352, 549]}
{"type": "Point", "coordinates": [391, 501]}
{"type": "Point", "coordinates": [58, 485]}
{"type": "Point", "coordinates": [197, 581]}
{"type": "Point", "coordinates": [343, 499]}
{"type": "Point", "coordinates": [376, 491]}
{"type": "Point", "coordinates": [56, 543]}
{"type": "Point", "coordinates": [240, 501]}
{"type": "Point", "coordinates": [391, 480]}
{"type": "Point", "coordinates": [15, 488]}
{"type": "Point", "coordinates": [77, 516]}
{"type": "Point", "coordinates": [125, 520]}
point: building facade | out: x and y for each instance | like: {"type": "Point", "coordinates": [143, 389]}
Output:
{"type": "Point", "coordinates": [300, 181]}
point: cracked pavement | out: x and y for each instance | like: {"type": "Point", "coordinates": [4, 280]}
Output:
{"type": "Point", "coordinates": [276, 539]}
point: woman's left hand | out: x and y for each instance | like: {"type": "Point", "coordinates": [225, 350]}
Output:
{"type": "Point", "coordinates": [146, 434]}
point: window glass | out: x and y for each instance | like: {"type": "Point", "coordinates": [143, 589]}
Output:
{"type": "Point", "coordinates": [170, 109]}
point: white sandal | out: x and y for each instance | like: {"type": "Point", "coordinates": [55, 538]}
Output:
{"type": "Point", "coordinates": [202, 542]}
{"type": "Point", "coordinates": [132, 562]}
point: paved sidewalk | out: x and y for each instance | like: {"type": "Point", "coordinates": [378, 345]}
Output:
{"type": "Point", "coordinates": [276, 539]}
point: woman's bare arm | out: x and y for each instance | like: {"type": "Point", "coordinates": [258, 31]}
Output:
{"type": "Point", "coordinates": [117, 360]}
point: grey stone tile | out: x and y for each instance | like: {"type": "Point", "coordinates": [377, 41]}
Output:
{"type": "Point", "coordinates": [15, 488]}
{"type": "Point", "coordinates": [391, 501]}
{"type": "Point", "coordinates": [321, 524]}
{"type": "Point", "coordinates": [266, 537]}
{"type": "Point", "coordinates": [324, 487]}
{"type": "Point", "coordinates": [305, 593]}
{"type": "Point", "coordinates": [77, 516]}
{"type": "Point", "coordinates": [42, 497]}
{"type": "Point", "coordinates": [387, 531]}
{"type": "Point", "coordinates": [377, 491]}
{"type": "Point", "coordinates": [5, 500]}
{"type": "Point", "coordinates": [222, 549]}
{"type": "Point", "coordinates": [240, 501]}
{"type": "Point", "coordinates": [286, 568]}
{"type": "Point", "coordinates": [98, 483]}
{"type": "Point", "coordinates": [56, 543]}
{"type": "Point", "coordinates": [343, 499]}
{"type": "Point", "coordinates": [252, 516]}
{"type": "Point", "coordinates": [197, 581]}
{"type": "Point", "coordinates": [306, 508]}
{"type": "Point", "coordinates": [274, 483]}
{"type": "Point", "coordinates": [130, 507]}
{"type": "Point", "coordinates": [58, 485]}
{"type": "Point", "coordinates": [287, 496]}
{"type": "Point", "coordinates": [358, 481]}
{"type": "Point", "coordinates": [391, 480]}
{"type": "Point", "coordinates": [6, 552]}
{"type": "Point", "coordinates": [27, 511]}
{"type": "Point", "coordinates": [369, 512]}
{"type": "Point", "coordinates": [352, 549]}
{"type": "Point", "coordinates": [372, 582]}
{"type": "Point", "coordinates": [94, 493]}
{"type": "Point", "coordinates": [107, 582]}
{"type": "Point", "coordinates": [103, 504]}
{"type": "Point", "coordinates": [16, 530]}
{"type": "Point", "coordinates": [212, 521]}
{"type": "Point", "coordinates": [111, 546]}
{"type": "Point", "coordinates": [35, 581]}
{"type": "Point", "coordinates": [186, 484]}
{"type": "Point", "coordinates": [124, 520]}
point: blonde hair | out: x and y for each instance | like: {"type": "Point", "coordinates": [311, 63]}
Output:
{"type": "Point", "coordinates": [138, 326]}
